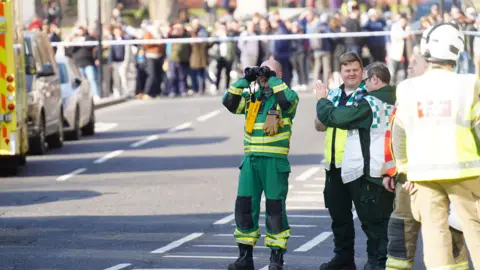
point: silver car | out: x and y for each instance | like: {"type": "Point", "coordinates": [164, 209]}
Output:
{"type": "Point", "coordinates": [77, 99]}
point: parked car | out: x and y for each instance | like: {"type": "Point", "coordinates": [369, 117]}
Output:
{"type": "Point", "coordinates": [45, 125]}
{"type": "Point", "coordinates": [77, 100]}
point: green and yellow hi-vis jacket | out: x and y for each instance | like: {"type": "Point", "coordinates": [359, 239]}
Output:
{"type": "Point", "coordinates": [283, 99]}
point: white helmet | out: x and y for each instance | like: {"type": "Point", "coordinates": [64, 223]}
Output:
{"type": "Point", "coordinates": [442, 42]}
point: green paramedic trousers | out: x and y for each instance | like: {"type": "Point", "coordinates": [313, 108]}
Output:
{"type": "Point", "coordinates": [258, 174]}
{"type": "Point", "coordinates": [374, 205]}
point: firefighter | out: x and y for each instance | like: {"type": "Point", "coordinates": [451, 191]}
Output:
{"type": "Point", "coordinates": [265, 167]}
{"type": "Point", "coordinates": [360, 179]}
{"type": "Point", "coordinates": [439, 112]}
{"type": "Point", "coordinates": [403, 229]}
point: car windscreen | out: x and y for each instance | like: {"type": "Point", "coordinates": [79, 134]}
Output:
{"type": "Point", "coordinates": [63, 73]}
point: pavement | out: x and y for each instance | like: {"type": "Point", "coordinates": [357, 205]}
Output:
{"type": "Point", "coordinates": [155, 189]}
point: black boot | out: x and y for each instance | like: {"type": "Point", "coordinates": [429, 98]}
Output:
{"type": "Point", "coordinates": [371, 263]}
{"type": "Point", "coordinates": [276, 260]}
{"type": "Point", "coordinates": [338, 264]}
{"type": "Point", "coordinates": [245, 259]}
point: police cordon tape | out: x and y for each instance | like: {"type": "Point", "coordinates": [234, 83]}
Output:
{"type": "Point", "coordinates": [237, 38]}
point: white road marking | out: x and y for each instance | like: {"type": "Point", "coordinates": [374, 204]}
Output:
{"type": "Point", "coordinates": [180, 127]}
{"type": "Point", "coordinates": [291, 225]}
{"type": "Point", "coordinates": [314, 242]}
{"type": "Point", "coordinates": [313, 185]}
{"type": "Point", "coordinates": [70, 175]}
{"type": "Point", "coordinates": [265, 268]}
{"type": "Point", "coordinates": [119, 266]}
{"type": "Point", "coordinates": [224, 246]}
{"type": "Point", "coordinates": [200, 257]}
{"type": "Point", "coordinates": [231, 235]}
{"type": "Point", "coordinates": [319, 178]}
{"type": "Point", "coordinates": [102, 127]}
{"type": "Point", "coordinates": [225, 220]}
{"type": "Point", "coordinates": [177, 243]}
{"type": "Point", "coordinates": [305, 199]}
{"type": "Point", "coordinates": [308, 192]}
{"type": "Point", "coordinates": [145, 141]}
{"type": "Point", "coordinates": [108, 156]}
{"type": "Point", "coordinates": [208, 116]}
{"type": "Point", "coordinates": [290, 186]}
{"type": "Point", "coordinates": [307, 174]}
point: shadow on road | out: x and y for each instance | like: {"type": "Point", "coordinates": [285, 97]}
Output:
{"type": "Point", "coordinates": [21, 198]}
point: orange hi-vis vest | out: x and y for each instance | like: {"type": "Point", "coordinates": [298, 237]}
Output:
{"type": "Point", "coordinates": [391, 169]}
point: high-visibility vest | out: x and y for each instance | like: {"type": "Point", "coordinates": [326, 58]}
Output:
{"type": "Point", "coordinates": [436, 111]}
{"type": "Point", "coordinates": [334, 96]}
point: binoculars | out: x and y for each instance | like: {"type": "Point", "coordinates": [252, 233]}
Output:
{"type": "Point", "coordinates": [253, 73]}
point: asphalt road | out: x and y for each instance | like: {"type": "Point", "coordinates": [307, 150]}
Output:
{"type": "Point", "coordinates": [155, 189]}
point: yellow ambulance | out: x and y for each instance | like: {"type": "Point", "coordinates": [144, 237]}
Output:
{"type": "Point", "coordinates": [13, 93]}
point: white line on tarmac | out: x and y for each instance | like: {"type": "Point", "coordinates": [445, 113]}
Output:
{"type": "Point", "coordinates": [291, 225]}
{"type": "Point", "coordinates": [200, 257]}
{"type": "Point", "coordinates": [225, 220]}
{"type": "Point", "coordinates": [321, 178]}
{"type": "Point", "coordinates": [70, 175]}
{"type": "Point", "coordinates": [313, 185]}
{"type": "Point", "coordinates": [231, 235]}
{"type": "Point", "coordinates": [224, 246]}
{"type": "Point", "coordinates": [308, 192]}
{"type": "Point", "coordinates": [108, 156]}
{"type": "Point", "coordinates": [145, 141]}
{"type": "Point", "coordinates": [307, 174]}
{"type": "Point", "coordinates": [314, 242]}
{"type": "Point", "coordinates": [208, 116]}
{"type": "Point", "coordinates": [180, 127]}
{"type": "Point", "coordinates": [305, 199]}
{"type": "Point", "coordinates": [119, 266]}
{"type": "Point", "coordinates": [177, 243]}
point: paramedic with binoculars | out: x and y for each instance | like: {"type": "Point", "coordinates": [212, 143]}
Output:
{"type": "Point", "coordinates": [269, 112]}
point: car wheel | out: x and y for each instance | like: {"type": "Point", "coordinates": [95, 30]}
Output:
{"type": "Point", "coordinates": [57, 139]}
{"type": "Point", "coordinates": [89, 129]}
{"type": "Point", "coordinates": [76, 134]}
{"type": "Point", "coordinates": [37, 143]}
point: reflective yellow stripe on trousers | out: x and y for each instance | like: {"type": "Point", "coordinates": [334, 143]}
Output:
{"type": "Point", "coordinates": [247, 238]}
{"type": "Point", "coordinates": [277, 240]}
{"type": "Point", "coordinates": [393, 264]}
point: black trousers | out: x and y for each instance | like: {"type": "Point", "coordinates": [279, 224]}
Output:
{"type": "Point", "coordinates": [373, 204]}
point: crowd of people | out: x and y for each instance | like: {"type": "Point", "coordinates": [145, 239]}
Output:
{"type": "Point", "coordinates": [180, 69]}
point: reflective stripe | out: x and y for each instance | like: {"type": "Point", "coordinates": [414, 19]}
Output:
{"type": "Point", "coordinates": [235, 91]}
{"type": "Point", "coordinates": [267, 139]}
{"type": "Point", "coordinates": [398, 264]}
{"type": "Point", "coordinates": [259, 126]}
{"type": "Point", "coordinates": [266, 149]}
{"type": "Point", "coordinates": [293, 107]}
{"type": "Point", "coordinates": [279, 88]}
{"type": "Point", "coordinates": [462, 266]}
{"type": "Point", "coordinates": [241, 106]}
{"type": "Point", "coordinates": [278, 240]}
{"type": "Point", "coordinates": [247, 238]}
